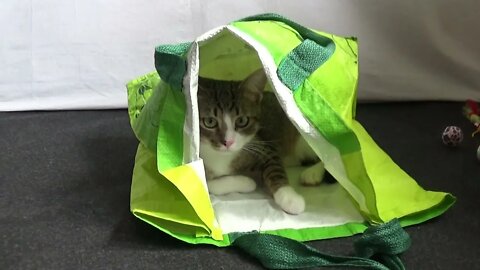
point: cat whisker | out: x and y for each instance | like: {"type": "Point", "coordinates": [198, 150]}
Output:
{"type": "Point", "coordinates": [249, 151]}
{"type": "Point", "coordinates": [263, 142]}
{"type": "Point", "coordinates": [256, 151]}
{"type": "Point", "coordinates": [263, 146]}
{"type": "Point", "coordinates": [263, 154]}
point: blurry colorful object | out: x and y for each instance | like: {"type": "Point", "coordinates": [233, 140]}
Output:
{"type": "Point", "coordinates": [472, 112]}
{"type": "Point", "coordinates": [452, 136]}
{"type": "Point", "coordinates": [478, 153]}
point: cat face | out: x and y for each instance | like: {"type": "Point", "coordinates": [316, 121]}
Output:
{"type": "Point", "coordinates": [229, 111]}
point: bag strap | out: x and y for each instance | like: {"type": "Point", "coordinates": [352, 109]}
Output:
{"type": "Point", "coordinates": [378, 248]}
{"type": "Point", "coordinates": [170, 63]}
{"type": "Point", "coordinates": [170, 58]}
{"type": "Point", "coordinates": [308, 56]}
{"type": "Point", "coordinates": [303, 31]}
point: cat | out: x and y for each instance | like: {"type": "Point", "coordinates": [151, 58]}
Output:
{"type": "Point", "coordinates": [245, 135]}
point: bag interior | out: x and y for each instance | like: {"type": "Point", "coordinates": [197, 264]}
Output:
{"type": "Point", "coordinates": [227, 57]}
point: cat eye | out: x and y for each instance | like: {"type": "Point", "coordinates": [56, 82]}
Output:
{"type": "Point", "coordinates": [242, 121]}
{"type": "Point", "coordinates": [210, 122]}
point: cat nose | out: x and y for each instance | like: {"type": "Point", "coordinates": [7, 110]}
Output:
{"type": "Point", "coordinates": [228, 143]}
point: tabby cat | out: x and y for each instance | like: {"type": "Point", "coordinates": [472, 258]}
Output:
{"type": "Point", "coordinates": [245, 135]}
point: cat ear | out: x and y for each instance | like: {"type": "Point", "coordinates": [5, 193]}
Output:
{"type": "Point", "coordinates": [253, 85]}
{"type": "Point", "coordinates": [202, 92]}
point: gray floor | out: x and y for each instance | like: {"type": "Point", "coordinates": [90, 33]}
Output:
{"type": "Point", "coordinates": [65, 179]}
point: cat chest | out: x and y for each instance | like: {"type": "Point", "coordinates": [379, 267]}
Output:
{"type": "Point", "coordinates": [218, 164]}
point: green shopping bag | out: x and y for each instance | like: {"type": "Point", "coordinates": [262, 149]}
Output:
{"type": "Point", "coordinates": [314, 76]}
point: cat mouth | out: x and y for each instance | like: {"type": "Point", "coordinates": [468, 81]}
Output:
{"type": "Point", "coordinates": [224, 149]}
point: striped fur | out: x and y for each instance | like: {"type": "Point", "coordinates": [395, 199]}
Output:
{"type": "Point", "coordinates": [229, 147]}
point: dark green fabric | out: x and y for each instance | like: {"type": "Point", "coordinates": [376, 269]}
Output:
{"type": "Point", "coordinates": [388, 238]}
{"type": "Point", "coordinates": [303, 31]}
{"type": "Point", "coordinates": [303, 61]}
{"type": "Point", "coordinates": [170, 63]}
{"type": "Point", "coordinates": [377, 249]}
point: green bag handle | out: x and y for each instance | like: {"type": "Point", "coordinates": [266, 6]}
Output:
{"type": "Point", "coordinates": [384, 243]}
{"type": "Point", "coordinates": [302, 61]}
{"type": "Point", "coordinates": [171, 65]}
{"type": "Point", "coordinates": [303, 31]}
{"type": "Point", "coordinates": [307, 57]}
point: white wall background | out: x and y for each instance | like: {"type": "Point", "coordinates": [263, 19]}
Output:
{"type": "Point", "coordinates": [73, 54]}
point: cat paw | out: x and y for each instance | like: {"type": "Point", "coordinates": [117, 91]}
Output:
{"type": "Point", "coordinates": [244, 184]}
{"type": "Point", "coordinates": [231, 183]}
{"type": "Point", "coordinates": [289, 200]}
{"type": "Point", "coordinates": [313, 176]}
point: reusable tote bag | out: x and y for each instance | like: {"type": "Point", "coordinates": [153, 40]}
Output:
{"type": "Point", "coordinates": [314, 77]}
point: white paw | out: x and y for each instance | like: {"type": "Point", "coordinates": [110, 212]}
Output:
{"type": "Point", "coordinates": [231, 183]}
{"type": "Point", "coordinates": [244, 184]}
{"type": "Point", "coordinates": [313, 175]}
{"type": "Point", "coordinates": [289, 200]}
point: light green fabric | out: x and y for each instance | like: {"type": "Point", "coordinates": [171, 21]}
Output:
{"type": "Point", "coordinates": [156, 116]}
{"type": "Point", "coordinates": [390, 181]}
{"type": "Point", "coordinates": [143, 119]}
{"type": "Point", "coordinates": [217, 55]}
{"type": "Point", "coordinates": [157, 201]}
{"type": "Point", "coordinates": [170, 129]}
